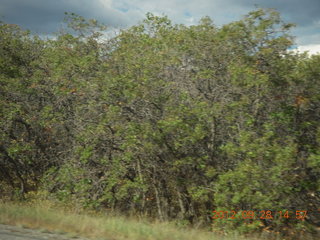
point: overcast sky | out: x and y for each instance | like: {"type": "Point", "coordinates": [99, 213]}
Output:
{"type": "Point", "coordinates": [45, 16]}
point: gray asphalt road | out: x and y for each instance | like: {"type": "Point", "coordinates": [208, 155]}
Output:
{"type": "Point", "coordinates": [18, 233]}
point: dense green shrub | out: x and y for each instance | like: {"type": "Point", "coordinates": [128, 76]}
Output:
{"type": "Point", "coordinates": [164, 120]}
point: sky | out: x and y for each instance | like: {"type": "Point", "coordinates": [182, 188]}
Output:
{"type": "Point", "coordinates": [46, 16]}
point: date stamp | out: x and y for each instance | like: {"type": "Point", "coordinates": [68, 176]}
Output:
{"type": "Point", "coordinates": [261, 214]}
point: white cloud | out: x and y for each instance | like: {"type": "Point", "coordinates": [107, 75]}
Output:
{"type": "Point", "coordinates": [46, 15]}
{"type": "Point", "coordinates": [311, 48]}
{"type": "Point", "coordinates": [106, 3]}
{"type": "Point", "coordinates": [220, 11]}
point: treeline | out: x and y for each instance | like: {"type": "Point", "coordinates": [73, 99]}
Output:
{"type": "Point", "coordinates": [169, 121]}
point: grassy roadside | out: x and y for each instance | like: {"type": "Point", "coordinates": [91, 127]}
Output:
{"type": "Point", "coordinates": [97, 227]}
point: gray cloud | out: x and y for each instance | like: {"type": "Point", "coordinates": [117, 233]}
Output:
{"type": "Point", "coordinates": [300, 12]}
{"type": "Point", "coordinates": [45, 15]}
{"type": "Point", "coordinates": [305, 14]}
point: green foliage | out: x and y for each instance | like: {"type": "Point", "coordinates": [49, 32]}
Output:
{"type": "Point", "coordinates": [164, 120]}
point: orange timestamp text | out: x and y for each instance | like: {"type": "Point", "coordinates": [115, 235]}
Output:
{"type": "Point", "coordinates": [262, 214]}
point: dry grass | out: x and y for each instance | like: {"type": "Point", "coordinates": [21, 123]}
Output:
{"type": "Point", "coordinates": [97, 227]}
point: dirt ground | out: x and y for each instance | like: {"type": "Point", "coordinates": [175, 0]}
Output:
{"type": "Point", "coordinates": [18, 233]}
